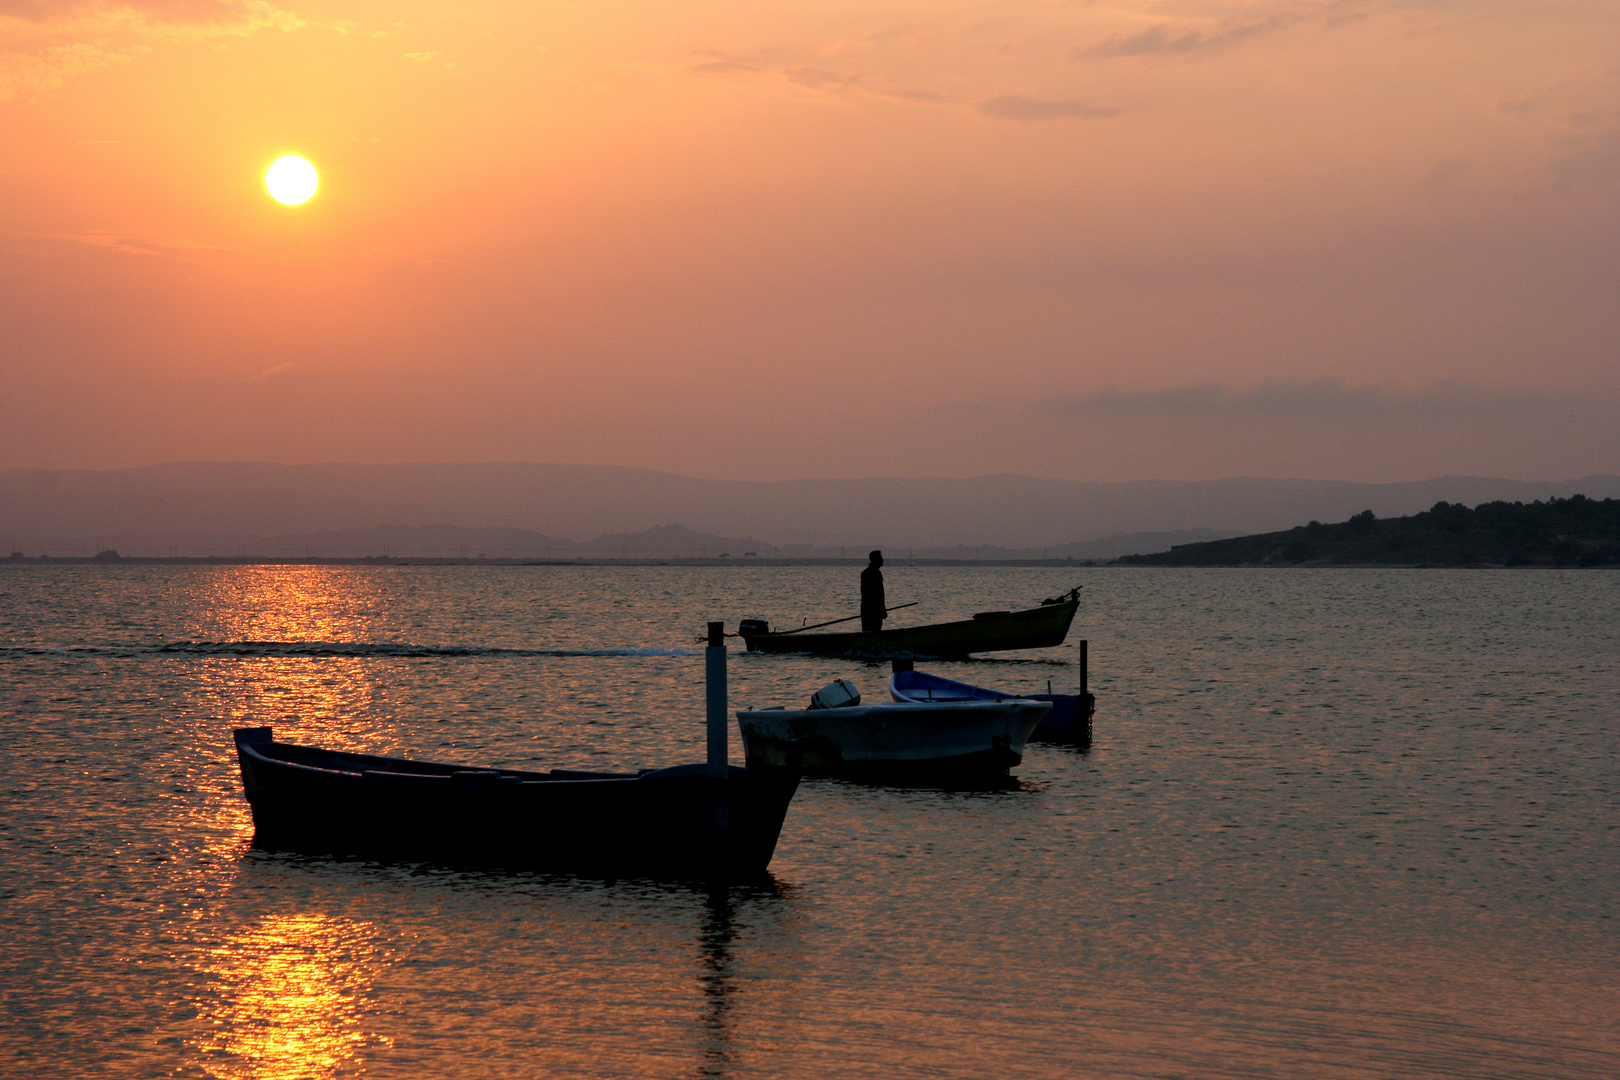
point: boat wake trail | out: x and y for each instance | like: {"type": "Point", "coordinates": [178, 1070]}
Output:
{"type": "Point", "coordinates": [358, 649]}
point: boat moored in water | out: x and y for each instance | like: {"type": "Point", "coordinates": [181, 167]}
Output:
{"type": "Point", "coordinates": [656, 822]}
{"type": "Point", "coordinates": [894, 739]}
{"type": "Point", "coordinates": [1068, 721]}
{"type": "Point", "coordinates": [990, 631]}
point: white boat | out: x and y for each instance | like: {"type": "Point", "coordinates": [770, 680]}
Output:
{"type": "Point", "coordinates": [894, 737]}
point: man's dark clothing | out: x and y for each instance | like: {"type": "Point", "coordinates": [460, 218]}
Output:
{"type": "Point", "coordinates": [873, 608]}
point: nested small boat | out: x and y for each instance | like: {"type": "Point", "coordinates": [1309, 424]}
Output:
{"type": "Point", "coordinates": [1069, 719]}
{"type": "Point", "coordinates": [894, 739]}
{"type": "Point", "coordinates": [675, 822]}
{"type": "Point", "coordinates": [990, 631]}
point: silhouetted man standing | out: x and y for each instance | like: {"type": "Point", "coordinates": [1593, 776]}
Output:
{"type": "Point", "coordinates": [874, 609]}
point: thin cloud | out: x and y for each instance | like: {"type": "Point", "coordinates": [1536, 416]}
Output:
{"type": "Point", "coordinates": [45, 42]}
{"type": "Point", "coordinates": [1015, 107]}
{"type": "Point", "coordinates": [1324, 399]}
{"type": "Point", "coordinates": [723, 67]}
{"type": "Point", "coordinates": [110, 242]}
{"type": "Point", "coordinates": [223, 13]}
{"type": "Point", "coordinates": [1165, 39]}
{"type": "Point", "coordinates": [125, 245]}
{"type": "Point", "coordinates": [813, 78]}
{"type": "Point", "coordinates": [1589, 164]}
{"type": "Point", "coordinates": [906, 93]}
{"type": "Point", "coordinates": [817, 79]}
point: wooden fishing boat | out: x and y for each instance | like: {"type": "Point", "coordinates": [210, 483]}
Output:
{"type": "Point", "coordinates": [894, 739]}
{"type": "Point", "coordinates": [1069, 719]}
{"type": "Point", "coordinates": [674, 822]}
{"type": "Point", "coordinates": [990, 631]}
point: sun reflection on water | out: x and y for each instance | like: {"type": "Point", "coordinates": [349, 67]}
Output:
{"type": "Point", "coordinates": [290, 603]}
{"type": "Point", "coordinates": [289, 1003]}
{"type": "Point", "coordinates": [326, 698]}
{"type": "Point", "coordinates": [323, 698]}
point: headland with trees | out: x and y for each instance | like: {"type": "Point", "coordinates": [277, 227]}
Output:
{"type": "Point", "coordinates": [1576, 531]}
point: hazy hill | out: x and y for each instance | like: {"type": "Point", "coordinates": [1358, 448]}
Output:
{"type": "Point", "coordinates": [1560, 532]}
{"type": "Point", "coordinates": [195, 507]}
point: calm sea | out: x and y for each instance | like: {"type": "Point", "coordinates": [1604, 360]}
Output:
{"type": "Point", "coordinates": [1334, 824]}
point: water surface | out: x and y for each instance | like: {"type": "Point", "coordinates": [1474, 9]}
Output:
{"type": "Point", "coordinates": [1335, 824]}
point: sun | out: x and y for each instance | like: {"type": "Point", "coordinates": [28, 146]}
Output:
{"type": "Point", "coordinates": [291, 180]}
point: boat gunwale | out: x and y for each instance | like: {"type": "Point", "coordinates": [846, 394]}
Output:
{"type": "Point", "coordinates": [976, 705]}
{"type": "Point", "coordinates": [977, 693]}
{"type": "Point", "coordinates": [894, 642]}
{"type": "Point", "coordinates": [254, 750]}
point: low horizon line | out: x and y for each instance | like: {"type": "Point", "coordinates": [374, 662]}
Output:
{"type": "Point", "coordinates": [784, 480]}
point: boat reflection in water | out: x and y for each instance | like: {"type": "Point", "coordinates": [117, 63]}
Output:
{"type": "Point", "coordinates": [716, 977]}
{"type": "Point", "coordinates": [484, 973]}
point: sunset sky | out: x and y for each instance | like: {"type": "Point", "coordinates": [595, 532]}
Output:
{"type": "Point", "coordinates": [1366, 239]}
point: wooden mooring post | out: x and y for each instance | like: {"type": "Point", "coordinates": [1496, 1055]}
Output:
{"type": "Point", "coordinates": [719, 768]}
{"type": "Point", "coordinates": [1088, 703]}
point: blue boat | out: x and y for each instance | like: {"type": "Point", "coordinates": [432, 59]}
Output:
{"type": "Point", "coordinates": [1068, 721]}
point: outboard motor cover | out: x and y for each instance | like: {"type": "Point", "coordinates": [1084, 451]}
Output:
{"type": "Point", "coordinates": [753, 627]}
{"type": "Point", "coordinates": [838, 694]}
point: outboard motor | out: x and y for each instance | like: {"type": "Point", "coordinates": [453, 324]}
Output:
{"type": "Point", "coordinates": [753, 628]}
{"type": "Point", "coordinates": [838, 694]}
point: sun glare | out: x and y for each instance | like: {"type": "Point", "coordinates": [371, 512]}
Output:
{"type": "Point", "coordinates": [291, 180]}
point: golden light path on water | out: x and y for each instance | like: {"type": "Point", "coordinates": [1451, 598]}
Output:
{"type": "Point", "coordinates": [287, 992]}
{"type": "Point", "coordinates": [288, 999]}
{"type": "Point", "coordinates": [321, 695]}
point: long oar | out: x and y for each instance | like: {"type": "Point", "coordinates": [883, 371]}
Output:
{"type": "Point", "coordinates": [835, 622]}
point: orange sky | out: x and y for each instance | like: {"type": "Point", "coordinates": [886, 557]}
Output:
{"type": "Point", "coordinates": [1099, 240]}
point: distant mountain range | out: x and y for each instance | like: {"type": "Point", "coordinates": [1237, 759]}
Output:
{"type": "Point", "coordinates": [533, 510]}
{"type": "Point", "coordinates": [661, 542]}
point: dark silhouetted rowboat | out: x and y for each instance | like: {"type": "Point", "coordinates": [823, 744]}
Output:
{"type": "Point", "coordinates": [658, 822]}
{"type": "Point", "coordinates": [992, 631]}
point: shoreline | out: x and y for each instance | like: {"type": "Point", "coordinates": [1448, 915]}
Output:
{"type": "Point", "coordinates": [402, 561]}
